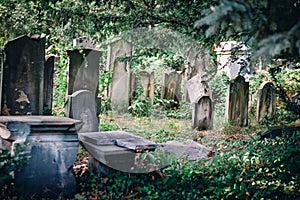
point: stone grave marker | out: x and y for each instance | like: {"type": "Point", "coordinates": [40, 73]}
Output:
{"type": "Point", "coordinates": [237, 102]}
{"type": "Point", "coordinates": [48, 83]}
{"type": "Point", "coordinates": [119, 89]}
{"type": "Point", "coordinates": [171, 88]}
{"type": "Point", "coordinates": [83, 70]}
{"type": "Point", "coordinates": [81, 105]}
{"type": "Point", "coordinates": [202, 114]}
{"type": "Point", "coordinates": [266, 102]}
{"type": "Point", "coordinates": [198, 86]}
{"type": "Point", "coordinates": [146, 80]}
{"type": "Point", "coordinates": [23, 76]}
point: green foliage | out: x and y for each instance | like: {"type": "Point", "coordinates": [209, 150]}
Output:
{"type": "Point", "coordinates": [60, 85]}
{"type": "Point", "coordinates": [241, 169]}
{"type": "Point", "coordinates": [11, 163]}
{"type": "Point", "coordinates": [218, 86]}
{"type": "Point", "coordinates": [270, 28]}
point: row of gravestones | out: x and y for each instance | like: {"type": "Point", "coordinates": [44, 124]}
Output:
{"type": "Point", "coordinates": [236, 110]}
{"type": "Point", "coordinates": [28, 80]}
{"type": "Point", "coordinates": [28, 84]}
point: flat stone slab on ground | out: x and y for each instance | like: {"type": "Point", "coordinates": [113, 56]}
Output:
{"type": "Point", "coordinates": [190, 149]}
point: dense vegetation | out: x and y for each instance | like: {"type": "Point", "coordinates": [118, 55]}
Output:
{"type": "Point", "coordinates": [243, 165]}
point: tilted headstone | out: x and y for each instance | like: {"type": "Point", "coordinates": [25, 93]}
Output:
{"type": "Point", "coordinates": [198, 86]}
{"type": "Point", "coordinates": [119, 89]}
{"type": "Point", "coordinates": [266, 102]}
{"type": "Point", "coordinates": [237, 102]}
{"type": "Point", "coordinates": [81, 105]}
{"type": "Point", "coordinates": [171, 88]}
{"type": "Point", "coordinates": [48, 83]}
{"type": "Point", "coordinates": [202, 114]}
{"type": "Point", "coordinates": [23, 76]}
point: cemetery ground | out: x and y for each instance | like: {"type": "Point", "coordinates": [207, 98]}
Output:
{"type": "Point", "coordinates": [240, 165]}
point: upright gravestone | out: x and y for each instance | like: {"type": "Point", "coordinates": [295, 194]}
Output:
{"type": "Point", "coordinates": [171, 88]}
{"type": "Point", "coordinates": [50, 61]}
{"type": "Point", "coordinates": [82, 89]}
{"type": "Point", "coordinates": [237, 102]}
{"type": "Point", "coordinates": [202, 114]}
{"type": "Point", "coordinates": [23, 76]}
{"type": "Point", "coordinates": [200, 96]}
{"type": "Point", "coordinates": [266, 102]}
{"type": "Point", "coordinates": [146, 81]}
{"type": "Point", "coordinates": [119, 89]}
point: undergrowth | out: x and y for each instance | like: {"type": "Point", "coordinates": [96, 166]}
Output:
{"type": "Point", "coordinates": [249, 168]}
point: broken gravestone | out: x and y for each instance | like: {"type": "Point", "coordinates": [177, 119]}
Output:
{"type": "Point", "coordinates": [237, 102]}
{"type": "Point", "coordinates": [119, 89]}
{"type": "Point", "coordinates": [266, 102]}
{"type": "Point", "coordinates": [171, 88]}
{"type": "Point", "coordinates": [23, 76]}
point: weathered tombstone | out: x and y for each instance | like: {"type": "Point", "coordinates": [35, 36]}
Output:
{"type": "Point", "coordinates": [198, 63]}
{"type": "Point", "coordinates": [119, 89]}
{"type": "Point", "coordinates": [23, 76]}
{"type": "Point", "coordinates": [266, 102]}
{"type": "Point", "coordinates": [202, 114]}
{"type": "Point", "coordinates": [146, 81]}
{"type": "Point", "coordinates": [83, 71]}
{"type": "Point", "coordinates": [81, 105]}
{"type": "Point", "coordinates": [198, 86]}
{"type": "Point", "coordinates": [237, 102]}
{"type": "Point", "coordinates": [82, 89]}
{"type": "Point", "coordinates": [48, 83]}
{"type": "Point", "coordinates": [171, 88]}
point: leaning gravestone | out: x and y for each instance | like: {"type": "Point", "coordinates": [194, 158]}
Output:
{"type": "Point", "coordinates": [171, 88]}
{"type": "Point", "coordinates": [48, 83]}
{"type": "Point", "coordinates": [81, 105]}
{"type": "Point", "coordinates": [119, 89]}
{"type": "Point", "coordinates": [23, 76]}
{"type": "Point", "coordinates": [266, 102]}
{"type": "Point", "coordinates": [237, 102]}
